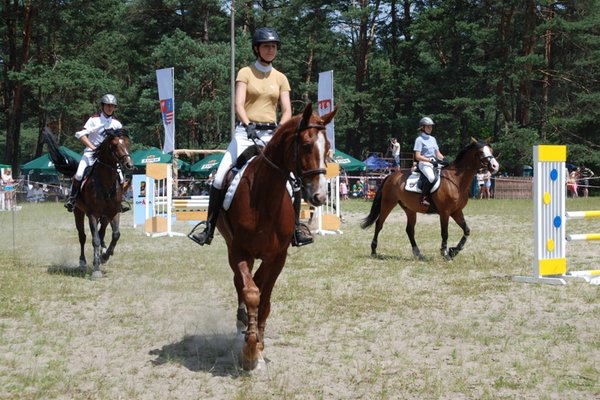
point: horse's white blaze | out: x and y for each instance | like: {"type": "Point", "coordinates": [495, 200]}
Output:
{"type": "Point", "coordinates": [321, 140]}
{"type": "Point", "coordinates": [493, 163]}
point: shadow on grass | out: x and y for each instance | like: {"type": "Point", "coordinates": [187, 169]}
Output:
{"type": "Point", "coordinates": [217, 354]}
{"type": "Point", "coordinates": [67, 270]}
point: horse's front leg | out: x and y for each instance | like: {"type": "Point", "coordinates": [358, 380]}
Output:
{"type": "Point", "coordinates": [93, 222]}
{"type": "Point", "coordinates": [250, 296]}
{"type": "Point", "coordinates": [80, 225]}
{"type": "Point", "coordinates": [459, 218]}
{"type": "Point", "coordinates": [265, 278]}
{"type": "Point", "coordinates": [116, 234]}
{"type": "Point", "coordinates": [444, 218]}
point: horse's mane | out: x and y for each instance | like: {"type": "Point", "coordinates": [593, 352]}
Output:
{"type": "Point", "coordinates": [461, 154]}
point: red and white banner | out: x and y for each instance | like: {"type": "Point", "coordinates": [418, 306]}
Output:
{"type": "Point", "coordinates": [325, 101]}
{"type": "Point", "coordinates": [165, 79]}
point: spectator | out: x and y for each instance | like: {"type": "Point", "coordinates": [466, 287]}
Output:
{"type": "Point", "coordinates": [480, 183]}
{"type": "Point", "coordinates": [35, 194]}
{"type": "Point", "coordinates": [8, 187]}
{"type": "Point", "coordinates": [487, 184]}
{"type": "Point", "coordinates": [344, 190]}
{"type": "Point", "coordinates": [395, 148]}
{"type": "Point", "coordinates": [572, 183]}
{"type": "Point", "coordinates": [585, 174]}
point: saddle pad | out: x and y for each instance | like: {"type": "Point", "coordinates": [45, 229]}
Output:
{"type": "Point", "coordinates": [236, 181]}
{"type": "Point", "coordinates": [412, 183]}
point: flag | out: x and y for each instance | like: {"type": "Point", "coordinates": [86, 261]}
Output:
{"type": "Point", "coordinates": [325, 102]}
{"type": "Point", "coordinates": [165, 79]}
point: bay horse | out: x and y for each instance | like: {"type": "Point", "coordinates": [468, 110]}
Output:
{"type": "Point", "coordinates": [260, 220]}
{"type": "Point", "coordinates": [100, 196]}
{"type": "Point", "coordinates": [448, 201]}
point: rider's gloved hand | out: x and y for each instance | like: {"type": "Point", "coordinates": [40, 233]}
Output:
{"type": "Point", "coordinates": [251, 131]}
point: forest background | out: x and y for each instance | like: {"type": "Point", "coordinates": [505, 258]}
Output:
{"type": "Point", "coordinates": [520, 72]}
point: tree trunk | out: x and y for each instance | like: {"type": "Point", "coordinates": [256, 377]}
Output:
{"type": "Point", "coordinates": [14, 91]}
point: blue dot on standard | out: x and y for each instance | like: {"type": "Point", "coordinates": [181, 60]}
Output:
{"type": "Point", "coordinates": [557, 221]}
{"type": "Point", "coordinates": [554, 174]}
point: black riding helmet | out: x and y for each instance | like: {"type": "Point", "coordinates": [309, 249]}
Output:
{"type": "Point", "coordinates": [264, 35]}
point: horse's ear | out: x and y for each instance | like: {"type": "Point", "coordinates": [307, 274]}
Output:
{"type": "Point", "coordinates": [473, 140]}
{"type": "Point", "coordinates": [328, 117]}
{"type": "Point", "coordinates": [306, 114]}
{"type": "Point", "coordinates": [488, 140]}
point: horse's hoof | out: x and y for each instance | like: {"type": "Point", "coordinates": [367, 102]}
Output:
{"type": "Point", "coordinates": [96, 275]}
{"type": "Point", "coordinates": [453, 252]}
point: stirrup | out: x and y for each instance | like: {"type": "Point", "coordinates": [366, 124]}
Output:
{"type": "Point", "coordinates": [301, 236]}
{"type": "Point", "coordinates": [70, 205]}
{"type": "Point", "coordinates": [425, 202]}
{"type": "Point", "coordinates": [125, 206]}
{"type": "Point", "coordinates": [207, 239]}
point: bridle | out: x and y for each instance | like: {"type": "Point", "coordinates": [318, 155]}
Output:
{"type": "Point", "coordinates": [296, 181]}
{"type": "Point", "coordinates": [112, 150]}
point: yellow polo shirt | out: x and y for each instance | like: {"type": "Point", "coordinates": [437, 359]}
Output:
{"type": "Point", "coordinates": [262, 92]}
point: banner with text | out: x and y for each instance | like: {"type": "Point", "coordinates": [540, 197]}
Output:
{"type": "Point", "coordinates": [325, 101]}
{"type": "Point", "coordinates": [165, 79]}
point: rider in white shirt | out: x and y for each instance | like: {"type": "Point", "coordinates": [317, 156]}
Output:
{"type": "Point", "coordinates": [92, 135]}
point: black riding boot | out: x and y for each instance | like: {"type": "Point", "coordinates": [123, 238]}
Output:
{"type": "Point", "coordinates": [70, 203]}
{"type": "Point", "coordinates": [302, 234]}
{"type": "Point", "coordinates": [425, 193]}
{"type": "Point", "coordinates": [215, 202]}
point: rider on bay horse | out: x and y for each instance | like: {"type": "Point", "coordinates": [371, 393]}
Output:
{"type": "Point", "coordinates": [92, 135]}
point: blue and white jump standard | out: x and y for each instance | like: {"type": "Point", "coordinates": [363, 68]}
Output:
{"type": "Point", "coordinates": [550, 238]}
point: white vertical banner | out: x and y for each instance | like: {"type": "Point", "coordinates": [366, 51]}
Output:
{"type": "Point", "coordinates": [325, 101]}
{"type": "Point", "coordinates": [165, 79]}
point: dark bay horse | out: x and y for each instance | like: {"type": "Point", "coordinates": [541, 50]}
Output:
{"type": "Point", "coordinates": [260, 221]}
{"type": "Point", "coordinates": [448, 201]}
{"type": "Point", "coordinates": [100, 196]}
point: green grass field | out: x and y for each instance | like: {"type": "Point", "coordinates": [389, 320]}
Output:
{"type": "Point", "coordinates": [161, 323]}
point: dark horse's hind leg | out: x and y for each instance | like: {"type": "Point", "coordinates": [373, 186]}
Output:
{"type": "Point", "coordinates": [79, 224]}
{"type": "Point", "coordinates": [116, 234]}
{"type": "Point", "coordinates": [411, 220]}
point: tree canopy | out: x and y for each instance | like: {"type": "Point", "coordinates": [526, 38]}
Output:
{"type": "Point", "coordinates": [517, 72]}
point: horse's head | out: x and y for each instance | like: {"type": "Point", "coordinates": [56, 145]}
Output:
{"type": "Point", "coordinates": [486, 155]}
{"type": "Point", "coordinates": [117, 149]}
{"type": "Point", "coordinates": [476, 155]}
{"type": "Point", "coordinates": [306, 153]}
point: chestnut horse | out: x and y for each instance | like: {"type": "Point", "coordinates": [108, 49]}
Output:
{"type": "Point", "coordinates": [101, 194]}
{"type": "Point", "coordinates": [260, 221]}
{"type": "Point", "coordinates": [447, 201]}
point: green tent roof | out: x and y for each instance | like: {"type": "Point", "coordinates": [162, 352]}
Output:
{"type": "Point", "coordinates": [207, 164]}
{"type": "Point", "coordinates": [151, 155]}
{"type": "Point", "coordinates": [348, 163]}
{"type": "Point", "coordinates": [44, 164]}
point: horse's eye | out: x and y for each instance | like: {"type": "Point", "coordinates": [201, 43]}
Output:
{"type": "Point", "coordinates": [307, 147]}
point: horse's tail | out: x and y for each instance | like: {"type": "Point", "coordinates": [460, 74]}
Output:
{"type": "Point", "coordinates": [64, 163]}
{"type": "Point", "coordinates": [375, 207]}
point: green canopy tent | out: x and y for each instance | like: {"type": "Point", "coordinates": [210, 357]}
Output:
{"type": "Point", "coordinates": [44, 165]}
{"type": "Point", "coordinates": [348, 163]}
{"type": "Point", "coordinates": [151, 155]}
{"type": "Point", "coordinates": [203, 167]}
